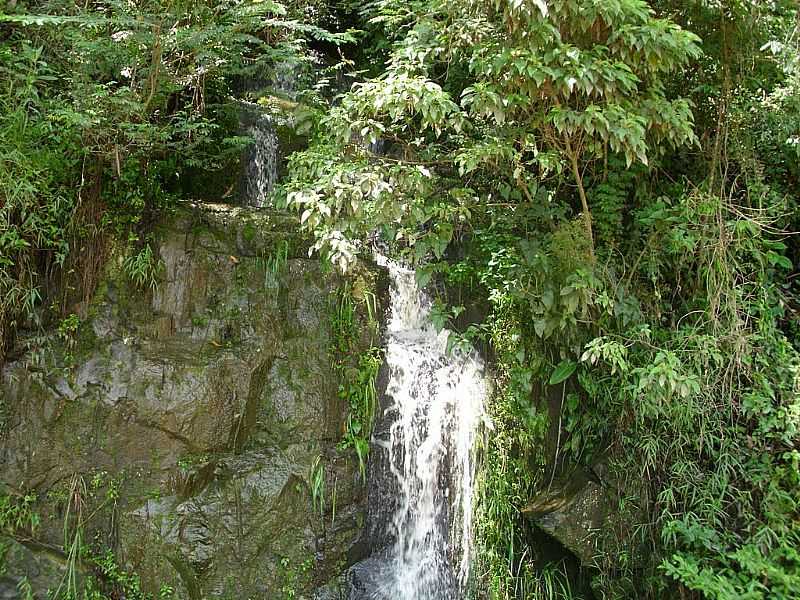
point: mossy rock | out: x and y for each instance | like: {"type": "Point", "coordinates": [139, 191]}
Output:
{"type": "Point", "coordinates": [205, 401]}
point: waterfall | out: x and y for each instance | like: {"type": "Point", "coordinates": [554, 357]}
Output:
{"type": "Point", "coordinates": [262, 166]}
{"type": "Point", "coordinates": [263, 157]}
{"type": "Point", "coordinates": [433, 408]}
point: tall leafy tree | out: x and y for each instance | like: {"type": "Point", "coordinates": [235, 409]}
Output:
{"type": "Point", "coordinates": [501, 122]}
{"type": "Point", "coordinates": [541, 88]}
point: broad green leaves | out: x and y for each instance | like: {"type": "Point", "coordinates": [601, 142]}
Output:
{"type": "Point", "coordinates": [540, 88]}
{"type": "Point", "coordinates": [563, 371]}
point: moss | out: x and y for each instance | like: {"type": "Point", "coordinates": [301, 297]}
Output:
{"type": "Point", "coordinates": [249, 232]}
{"type": "Point", "coordinates": [86, 341]}
{"type": "Point", "coordinates": [258, 421]}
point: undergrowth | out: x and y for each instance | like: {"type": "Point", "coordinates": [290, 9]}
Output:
{"type": "Point", "coordinates": [356, 363]}
{"type": "Point", "coordinates": [692, 399]}
{"type": "Point", "coordinates": [91, 570]}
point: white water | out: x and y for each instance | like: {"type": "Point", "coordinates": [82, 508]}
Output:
{"type": "Point", "coordinates": [437, 404]}
{"type": "Point", "coordinates": [263, 165]}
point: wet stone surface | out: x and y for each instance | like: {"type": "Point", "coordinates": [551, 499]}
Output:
{"type": "Point", "coordinates": [192, 414]}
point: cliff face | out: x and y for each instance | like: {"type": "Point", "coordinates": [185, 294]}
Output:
{"type": "Point", "coordinates": [182, 426]}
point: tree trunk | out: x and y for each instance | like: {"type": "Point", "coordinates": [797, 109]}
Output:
{"type": "Point", "coordinates": [587, 215]}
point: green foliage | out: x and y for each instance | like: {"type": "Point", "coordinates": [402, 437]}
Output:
{"type": "Point", "coordinates": [360, 394]}
{"type": "Point", "coordinates": [356, 371]}
{"type": "Point", "coordinates": [275, 263]}
{"type": "Point", "coordinates": [535, 92]}
{"type": "Point", "coordinates": [295, 577]}
{"type": "Point", "coordinates": [110, 112]}
{"type": "Point", "coordinates": [612, 192]}
{"type": "Point", "coordinates": [142, 267]}
{"type": "Point", "coordinates": [18, 518]}
{"type": "Point", "coordinates": [562, 372]}
{"type": "Point", "coordinates": [696, 392]}
{"type": "Point", "coordinates": [609, 197]}
{"type": "Point", "coordinates": [17, 514]}
{"type": "Point", "coordinates": [317, 479]}
{"type": "Point", "coordinates": [90, 571]}
{"type": "Point", "coordinates": [554, 584]}
{"type": "Point", "coordinates": [25, 589]}
{"type": "Point", "coordinates": [666, 395]}
{"type": "Point", "coordinates": [653, 318]}
{"type": "Point", "coordinates": [107, 578]}
{"type": "Point", "coordinates": [35, 206]}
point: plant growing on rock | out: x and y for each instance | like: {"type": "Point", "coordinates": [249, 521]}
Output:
{"type": "Point", "coordinates": [110, 112]}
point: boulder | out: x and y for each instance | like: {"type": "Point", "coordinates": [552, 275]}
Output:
{"type": "Point", "coordinates": [592, 514]}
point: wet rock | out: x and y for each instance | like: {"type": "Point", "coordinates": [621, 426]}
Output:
{"type": "Point", "coordinates": [202, 404]}
{"type": "Point", "coordinates": [366, 580]}
{"type": "Point", "coordinates": [336, 590]}
{"type": "Point", "coordinates": [25, 568]}
{"type": "Point", "coordinates": [584, 513]}
{"type": "Point", "coordinates": [572, 513]}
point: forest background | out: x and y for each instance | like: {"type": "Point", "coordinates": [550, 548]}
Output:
{"type": "Point", "coordinates": [606, 191]}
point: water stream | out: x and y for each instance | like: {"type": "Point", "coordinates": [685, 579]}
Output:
{"type": "Point", "coordinates": [263, 157]}
{"type": "Point", "coordinates": [262, 166]}
{"type": "Point", "coordinates": [422, 464]}
{"type": "Point", "coordinates": [425, 444]}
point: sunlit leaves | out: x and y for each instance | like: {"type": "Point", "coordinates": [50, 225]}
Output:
{"type": "Point", "coordinates": [402, 103]}
{"type": "Point", "coordinates": [489, 153]}
{"type": "Point", "coordinates": [609, 351]}
{"type": "Point", "coordinates": [351, 200]}
{"type": "Point", "coordinates": [547, 84]}
{"type": "Point", "coordinates": [602, 61]}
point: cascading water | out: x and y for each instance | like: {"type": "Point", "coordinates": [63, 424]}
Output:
{"type": "Point", "coordinates": [263, 157]}
{"type": "Point", "coordinates": [433, 409]}
{"type": "Point", "coordinates": [262, 166]}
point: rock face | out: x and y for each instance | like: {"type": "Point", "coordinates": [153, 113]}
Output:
{"type": "Point", "coordinates": [573, 512]}
{"type": "Point", "coordinates": [592, 515]}
{"type": "Point", "coordinates": [188, 419]}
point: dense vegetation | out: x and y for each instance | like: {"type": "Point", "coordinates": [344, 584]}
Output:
{"type": "Point", "coordinates": [609, 187]}
{"type": "Point", "coordinates": [111, 112]}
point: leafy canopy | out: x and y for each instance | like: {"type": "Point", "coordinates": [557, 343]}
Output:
{"type": "Point", "coordinates": [529, 89]}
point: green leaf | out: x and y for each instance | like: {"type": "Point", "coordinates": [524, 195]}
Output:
{"type": "Point", "coordinates": [563, 371]}
{"type": "Point", "coordinates": [539, 327]}
{"type": "Point", "coordinates": [779, 260]}
{"type": "Point", "coordinates": [423, 276]}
